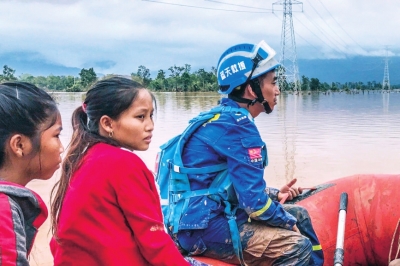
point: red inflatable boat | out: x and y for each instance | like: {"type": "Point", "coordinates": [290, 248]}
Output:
{"type": "Point", "coordinates": [373, 214]}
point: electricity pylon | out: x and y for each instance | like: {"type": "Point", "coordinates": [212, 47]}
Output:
{"type": "Point", "coordinates": [290, 70]}
{"type": "Point", "coordinates": [386, 83]}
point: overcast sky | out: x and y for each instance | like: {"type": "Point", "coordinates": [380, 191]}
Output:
{"type": "Point", "coordinates": [116, 36]}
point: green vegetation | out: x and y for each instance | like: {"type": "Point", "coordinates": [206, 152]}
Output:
{"type": "Point", "coordinates": [8, 74]}
{"type": "Point", "coordinates": [178, 79]}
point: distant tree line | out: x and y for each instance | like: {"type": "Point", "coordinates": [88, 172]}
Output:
{"type": "Point", "coordinates": [178, 79]}
{"type": "Point", "coordinates": [313, 84]}
{"type": "Point", "coordinates": [54, 83]}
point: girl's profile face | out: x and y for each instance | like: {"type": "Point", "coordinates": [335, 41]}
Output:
{"type": "Point", "coordinates": [134, 127]}
{"type": "Point", "coordinates": [48, 159]}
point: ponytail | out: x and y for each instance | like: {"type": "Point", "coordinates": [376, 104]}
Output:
{"type": "Point", "coordinates": [109, 97]}
{"type": "Point", "coordinates": [82, 140]}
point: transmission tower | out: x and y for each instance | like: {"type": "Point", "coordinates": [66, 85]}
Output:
{"type": "Point", "coordinates": [290, 71]}
{"type": "Point", "coordinates": [386, 83]}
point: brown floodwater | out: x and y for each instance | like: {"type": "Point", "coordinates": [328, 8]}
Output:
{"type": "Point", "coordinates": [312, 137]}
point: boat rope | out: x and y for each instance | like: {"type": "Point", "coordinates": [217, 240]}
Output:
{"type": "Point", "coordinates": [398, 243]}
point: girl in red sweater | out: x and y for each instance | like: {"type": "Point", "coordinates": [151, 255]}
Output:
{"type": "Point", "coordinates": [30, 148]}
{"type": "Point", "coordinates": [106, 208]}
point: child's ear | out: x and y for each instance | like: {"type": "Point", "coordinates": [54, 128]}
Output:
{"type": "Point", "coordinates": [105, 124]}
{"type": "Point", "coordinates": [20, 145]}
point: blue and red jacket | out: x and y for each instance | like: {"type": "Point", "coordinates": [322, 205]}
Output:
{"type": "Point", "coordinates": [232, 138]}
{"type": "Point", "coordinates": [22, 212]}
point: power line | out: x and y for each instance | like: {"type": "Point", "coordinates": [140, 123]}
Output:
{"type": "Point", "coordinates": [202, 7]}
{"type": "Point", "coordinates": [340, 26]}
{"type": "Point", "coordinates": [323, 32]}
{"type": "Point", "coordinates": [253, 7]}
{"type": "Point", "coordinates": [336, 48]}
{"type": "Point", "coordinates": [297, 34]}
{"type": "Point", "coordinates": [299, 21]}
{"type": "Point", "coordinates": [325, 22]}
{"type": "Point", "coordinates": [219, 2]}
{"type": "Point", "coordinates": [304, 39]}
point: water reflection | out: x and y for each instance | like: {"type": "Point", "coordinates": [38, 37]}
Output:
{"type": "Point", "coordinates": [287, 115]}
{"type": "Point", "coordinates": [326, 136]}
{"type": "Point", "coordinates": [314, 137]}
{"type": "Point", "coordinates": [385, 102]}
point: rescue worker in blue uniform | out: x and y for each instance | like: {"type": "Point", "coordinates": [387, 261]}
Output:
{"type": "Point", "coordinates": [270, 233]}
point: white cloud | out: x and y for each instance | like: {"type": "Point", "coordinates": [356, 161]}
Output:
{"type": "Point", "coordinates": [116, 36]}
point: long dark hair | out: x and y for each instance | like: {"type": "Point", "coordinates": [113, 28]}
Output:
{"type": "Point", "coordinates": [24, 109]}
{"type": "Point", "coordinates": [109, 97]}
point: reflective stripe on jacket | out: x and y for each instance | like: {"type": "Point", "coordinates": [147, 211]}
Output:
{"type": "Point", "coordinates": [22, 212]}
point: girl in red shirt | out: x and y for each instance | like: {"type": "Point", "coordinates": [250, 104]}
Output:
{"type": "Point", "coordinates": [106, 208]}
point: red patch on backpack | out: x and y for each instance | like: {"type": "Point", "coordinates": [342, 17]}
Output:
{"type": "Point", "coordinates": [254, 153]}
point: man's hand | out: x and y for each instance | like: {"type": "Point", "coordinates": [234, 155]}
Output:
{"type": "Point", "coordinates": [287, 192]}
{"type": "Point", "coordinates": [296, 229]}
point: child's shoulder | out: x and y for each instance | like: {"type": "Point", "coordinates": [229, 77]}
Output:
{"type": "Point", "coordinates": [115, 154]}
{"type": "Point", "coordinates": [23, 198]}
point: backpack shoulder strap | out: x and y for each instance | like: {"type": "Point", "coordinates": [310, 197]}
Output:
{"type": "Point", "coordinates": [179, 186]}
{"type": "Point", "coordinates": [194, 124]}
